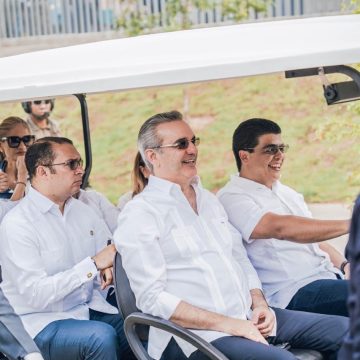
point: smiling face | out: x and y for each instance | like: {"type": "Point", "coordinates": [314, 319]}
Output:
{"type": "Point", "coordinates": [260, 166]}
{"type": "Point", "coordinates": [11, 154]}
{"type": "Point", "coordinates": [171, 163]}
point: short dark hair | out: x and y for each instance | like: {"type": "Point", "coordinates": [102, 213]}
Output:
{"type": "Point", "coordinates": [148, 137]}
{"type": "Point", "coordinates": [247, 135]}
{"type": "Point", "coordinates": [41, 153]}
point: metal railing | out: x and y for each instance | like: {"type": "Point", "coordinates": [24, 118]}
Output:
{"type": "Point", "coordinates": [31, 18]}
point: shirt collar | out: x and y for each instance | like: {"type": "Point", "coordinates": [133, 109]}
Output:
{"type": "Point", "coordinates": [43, 203]}
{"type": "Point", "coordinates": [167, 186]}
{"type": "Point", "coordinates": [34, 125]}
{"type": "Point", "coordinates": [250, 185]}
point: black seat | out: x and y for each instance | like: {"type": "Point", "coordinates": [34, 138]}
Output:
{"type": "Point", "coordinates": [136, 324]}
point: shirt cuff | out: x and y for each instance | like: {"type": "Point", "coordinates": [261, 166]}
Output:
{"type": "Point", "coordinates": [86, 270]}
{"type": "Point", "coordinates": [33, 356]}
{"type": "Point", "coordinates": [167, 304]}
{"type": "Point", "coordinates": [251, 223]}
{"type": "Point", "coordinates": [254, 283]}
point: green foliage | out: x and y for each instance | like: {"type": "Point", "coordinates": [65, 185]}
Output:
{"type": "Point", "coordinates": [137, 19]}
{"type": "Point", "coordinates": [320, 164]}
{"type": "Point", "coordinates": [238, 10]}
{"type": "Point", "coordinates": [352, 5]}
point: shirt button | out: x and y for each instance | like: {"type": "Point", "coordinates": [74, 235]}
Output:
{"type": "Point", "coordinates": [89, 275]}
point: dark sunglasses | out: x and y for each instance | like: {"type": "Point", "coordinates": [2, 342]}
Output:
{"type": "Point", "coordinates": [180, 144]}
{"type": "Point", "coordinates": [39, 102]}
{"type": "Point", "coordinates": [14, 141]}
{"type": "Point", "coordinates": [272, 149]}
{"type": "Point", "coordinates": [73, 164]}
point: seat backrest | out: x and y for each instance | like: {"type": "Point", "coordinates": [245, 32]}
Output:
{"type": "Point", "coordinates": [125, 297]}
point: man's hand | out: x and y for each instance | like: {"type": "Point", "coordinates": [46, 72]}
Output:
{"type": "Point", "coordinates": [106, 276]}
{"type": "Point", "coordinates": [347, 271]}
{"type": "Point", "coordinates": [104, 258]}
{"type": "Point", "coordinates": [244, 328]}
{"type": "Point", "coordinates": [263, 319]}
{"type": "Point", "coordinates": [4, 181]}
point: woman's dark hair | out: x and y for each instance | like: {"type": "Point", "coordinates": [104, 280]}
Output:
{"type": "Point", "coordinates": [138, 178]}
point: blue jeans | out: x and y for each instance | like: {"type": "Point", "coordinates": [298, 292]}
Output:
{"type": "Point", "coordinates": [100, 338]}
{"type": "Point", "coordinates": [322, 296]}
{"type": "Point", "coordinates": [302, 330]}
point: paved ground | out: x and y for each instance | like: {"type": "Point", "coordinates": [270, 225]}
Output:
{"type": "Point", "coordinates": [332, 212]}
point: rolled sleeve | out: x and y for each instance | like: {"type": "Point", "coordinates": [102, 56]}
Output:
{"type": "Point", "coordinates": [167, 304]}
{"type": "Point", "coordinates": [243, 212]}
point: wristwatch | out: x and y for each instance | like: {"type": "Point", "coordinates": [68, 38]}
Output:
{"type": "Point", "coordinates": [342, 266]}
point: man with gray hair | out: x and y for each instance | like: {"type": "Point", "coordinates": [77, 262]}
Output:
{"type": "Point", "coordinates": [186, 263]}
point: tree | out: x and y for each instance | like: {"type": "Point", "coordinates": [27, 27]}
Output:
{"type": "Point", "coordinates": [142, 18]}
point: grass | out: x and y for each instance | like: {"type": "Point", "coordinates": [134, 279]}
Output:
{"type": "Point", "coordinates": [321, 167]}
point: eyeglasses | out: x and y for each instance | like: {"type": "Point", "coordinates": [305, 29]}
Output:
{"type": "Point", "coordinates": [14, 141]}
{"type": "Point", "coordinates": [39, 102]}
{"type": "Point", "coordinates": [180, 144]}
{"type": "Point", "coordinates": [73, 164]}
{"type": "Point", "coordinates": [272, 149]}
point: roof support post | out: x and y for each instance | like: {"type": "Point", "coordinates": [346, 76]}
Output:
{"type": "Point", "coordinates": [334, 93]}
{"type": "Point", "coordinates": [87, 139]}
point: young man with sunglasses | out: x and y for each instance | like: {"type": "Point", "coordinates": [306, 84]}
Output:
{"type": "Point", "coordinates": [39, 118]}
{"type": "Point", "coordinates": [54, 250]}
{"type": "Point", "coordinates": [278, 230]}
{"type": "Point", "coordinates": [177, 250]}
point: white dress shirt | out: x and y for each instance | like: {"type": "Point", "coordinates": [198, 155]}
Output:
{"type": "Point", "coordinates": [5, 206]}
{"type": "Point", "coordinates": [45, 255]}
{"type": "Point", "coordinates": [171, 254]}
{"type": "Point", "coordinates": [283, 266]}
{"type": "Point", "coordinates": [102, 206]}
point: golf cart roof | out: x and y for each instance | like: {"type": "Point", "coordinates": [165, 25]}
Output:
{"type": "Point", "coordinates": [182, 57]}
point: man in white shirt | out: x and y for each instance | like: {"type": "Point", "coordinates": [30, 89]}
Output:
{"type": "Point", "coordinates": [276, 225]}
{"type": "Point", "coordinates": [52, 249]}
{"type": "Point", "coordinates": [186, 263]}
{"type": "Point", "coordinates": [5, 206]}
{"type": "Point", "coordinates": [15, 342]}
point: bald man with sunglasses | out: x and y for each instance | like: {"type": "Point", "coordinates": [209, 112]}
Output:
{"type": "Point", "coordinates": [297, 267]}
{"type": "Point", "coordinates": [56, 257]}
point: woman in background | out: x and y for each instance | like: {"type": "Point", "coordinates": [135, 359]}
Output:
{"type": "Point", "coordinates": [140, 175]}
{"type": "Point", "coordinates": [15, 138]}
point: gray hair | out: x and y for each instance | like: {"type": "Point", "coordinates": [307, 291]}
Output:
{"type": "Point", "coordinates": [148, 137]}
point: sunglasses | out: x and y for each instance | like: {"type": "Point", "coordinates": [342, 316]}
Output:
{"type": "Point", "coordinates": [14, 141]}
{"type": "Point", "coordinates": [180, 144]}
{"type": "Point", "coordinates": [39, 102]}
{"type": "Point", "coordinates": [73, 164]}
{"type": "Point", "coordinates": [272, 149]}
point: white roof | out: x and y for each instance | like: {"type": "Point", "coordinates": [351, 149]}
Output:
{"type": "Point", "coordinates": [182, 56]}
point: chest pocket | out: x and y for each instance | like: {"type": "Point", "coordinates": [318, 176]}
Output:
{"type": "Point", "coordinates": [184, 243]}
{"type": "Point", "coordinates": [224, 237]}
